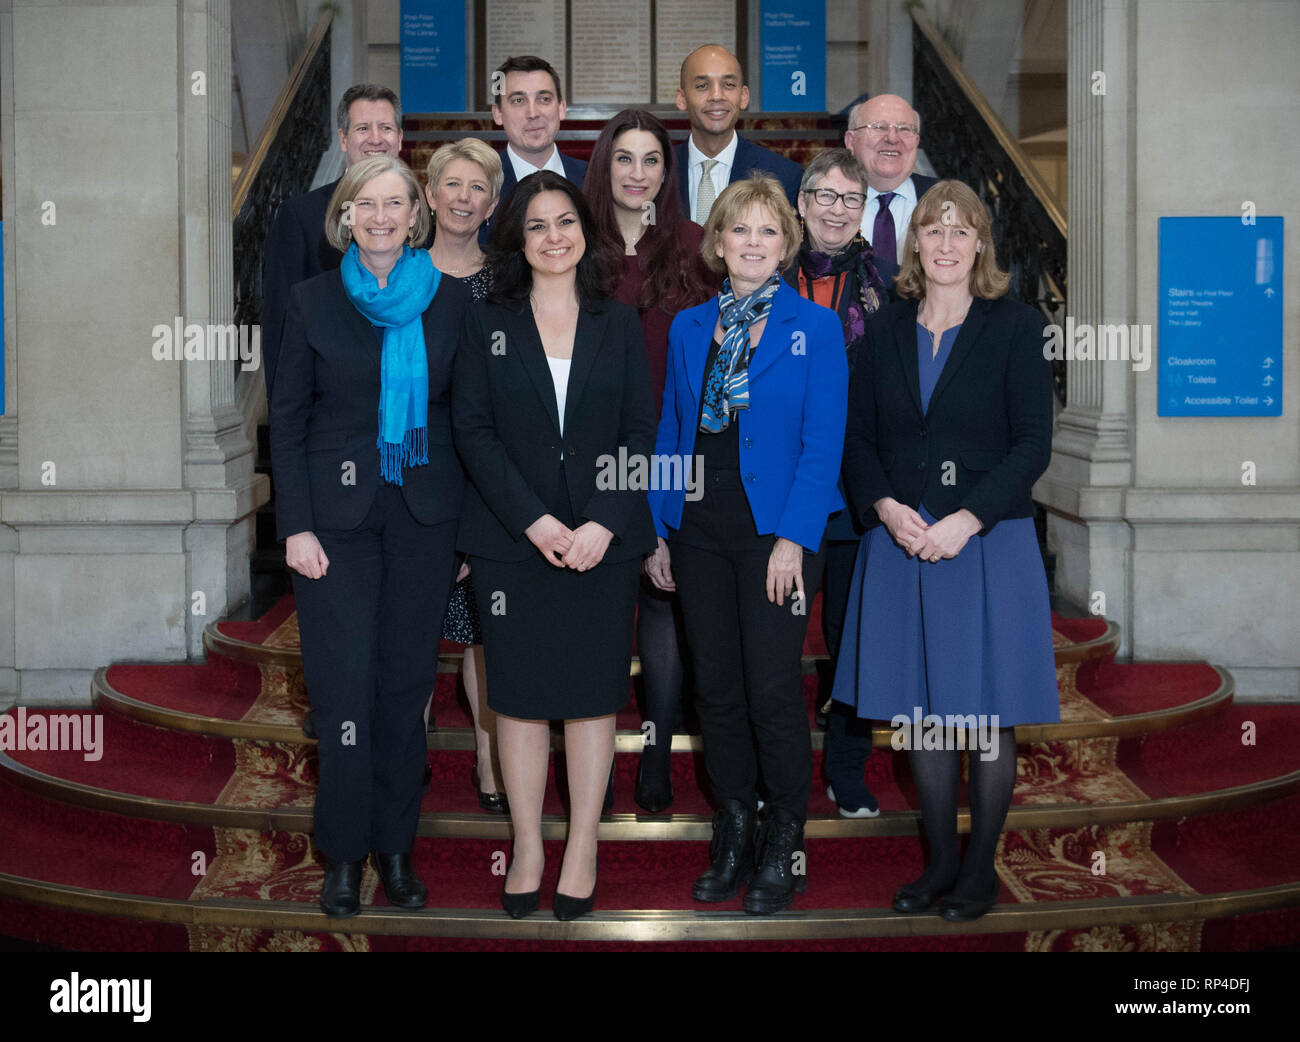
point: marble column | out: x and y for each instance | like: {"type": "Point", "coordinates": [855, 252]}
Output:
{"type": "Point", "coordinates": [127, 516]}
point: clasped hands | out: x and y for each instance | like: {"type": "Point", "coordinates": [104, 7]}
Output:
{"type": "Point", "coordinates": [580, 548]}
{"type": "Point", "coordinates": [942, 540]}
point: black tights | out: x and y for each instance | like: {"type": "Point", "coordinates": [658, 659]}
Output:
{"type": "Point", "coordinates": [659, 647]}
{"type": "Point", "coordinates": [992, 781]}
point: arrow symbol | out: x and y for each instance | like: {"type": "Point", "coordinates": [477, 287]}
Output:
{"type": "Point", "coordinates": [1267, 381]}
{"type": "Point", "coordinates": [1268, 363]}
{"type": "Point", "coordinates": [1268, 292]}
{"type": "Point", "coordinates": [1268, 401]}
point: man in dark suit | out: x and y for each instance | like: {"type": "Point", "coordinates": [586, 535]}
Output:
{"type": "Point", "coordinates": [369, 124]}
{"type": "Point", "coordinates": [713, 94]}
{"type": "Point", "coordinates": [528, 104]}
{"type": "Point", "coordinates": [883, 133]}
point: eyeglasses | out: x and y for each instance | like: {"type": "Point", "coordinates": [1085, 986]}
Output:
{"type": "Point", "coordinates": [908, 130]}
{"type": "Point", "coordinates": [827, 197]}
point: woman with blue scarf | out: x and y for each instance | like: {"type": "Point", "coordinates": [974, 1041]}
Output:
{"type": "Point", "coordinates": [368, 493]}
{"type": "Point", "coordinates": [756, 390]}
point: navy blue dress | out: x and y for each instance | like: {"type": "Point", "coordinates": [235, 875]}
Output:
{"type": "Point", "coordinates": [461, 623]}
{"type": "Point", "coordinates": [968, 635]}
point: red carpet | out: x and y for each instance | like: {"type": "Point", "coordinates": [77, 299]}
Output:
{"type": "Point", "coordinates": [1213, 851]}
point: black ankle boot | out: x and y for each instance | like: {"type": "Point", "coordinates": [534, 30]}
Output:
{"type": "Point", "coordinates": [400, 882]}
{"type": "Point", "coordinates": [732, 853]}
{"type": "Point", "coordinates": [782, 865]}
{"type": "Point", "coordinates": [340, 896]}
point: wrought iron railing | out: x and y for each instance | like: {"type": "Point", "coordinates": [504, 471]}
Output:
{"type": "Point", "coordinates": [283, 161]}
{"type": "Point", "coordinates": [965, 139]}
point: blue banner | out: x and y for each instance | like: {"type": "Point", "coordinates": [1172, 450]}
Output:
{"type": "Point", "coordinates": [433, 56]}
{"type": "Point", "coordinates": [793, 45]}
{"type": "Point", "coordinates": [1220, 313]}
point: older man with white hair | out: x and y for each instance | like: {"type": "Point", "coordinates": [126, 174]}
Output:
{"type": "Point", "coordinates": [883, 133]}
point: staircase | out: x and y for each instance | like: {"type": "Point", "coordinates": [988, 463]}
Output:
{"type": "Point", "coordinates": [1141, 821]}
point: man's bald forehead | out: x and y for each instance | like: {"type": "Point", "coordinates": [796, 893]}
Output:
{"type": "Point", "coordinates": [871, 109]}
{"type": "Point", "coordinates": [710, 50]}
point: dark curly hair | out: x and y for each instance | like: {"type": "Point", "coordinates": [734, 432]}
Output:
{"type": "Point", "coordinates": [512, 278]}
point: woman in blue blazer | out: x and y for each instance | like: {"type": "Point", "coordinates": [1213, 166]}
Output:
{"type": "Point", "coordinates": [368, 493]}
{"type": "Point", "coordinates": [753, 413]}
{"type": "Point", "coordinates": [947, 632]}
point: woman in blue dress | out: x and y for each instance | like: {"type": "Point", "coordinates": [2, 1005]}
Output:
{"type": "Point", "coordinates": [947, 632]}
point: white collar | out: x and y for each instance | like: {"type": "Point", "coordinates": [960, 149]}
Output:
{"type": "Point", "coordinates": [727, 157]}
{"type": "Point", "coordinates": [906, 190]}
{"type": "Point", "coordinates": [523, 167]}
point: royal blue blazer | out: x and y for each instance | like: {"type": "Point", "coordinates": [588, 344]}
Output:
{"type": "Point", "coordinates": [792, 434]}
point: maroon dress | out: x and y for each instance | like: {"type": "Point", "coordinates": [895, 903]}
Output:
{"type": "Point", "coordinates": [655, 320]}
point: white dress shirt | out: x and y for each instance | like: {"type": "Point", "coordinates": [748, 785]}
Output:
{"type": "Point", "coordinates": [720, 174]}
{"type": "Point", "coordinates": [900, 209]}
{"type": "Point", "coordinates": [523, 167]}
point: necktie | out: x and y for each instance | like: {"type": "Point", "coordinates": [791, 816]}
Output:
{"type": "Point", "coordinates": [883, 243]}
{"type": "Point", "coordinates": [707, 193]}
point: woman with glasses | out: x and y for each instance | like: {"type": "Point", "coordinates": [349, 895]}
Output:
{"type": "Point", "coordinates": [835, 268]}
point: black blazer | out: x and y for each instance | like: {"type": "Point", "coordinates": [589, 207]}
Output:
{"type": "Point", "coordinates": [296, 250]}
{"type": "Point", "coordinates": [325, 413]}
{"type": "Point", "coordinates": [987, 435]}
{"type": "Point", "coordinates": [507, 428]}
{"type": "Point", "coordinates": [749, 158]}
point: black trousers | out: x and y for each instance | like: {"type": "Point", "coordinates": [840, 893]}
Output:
{"type": "Point", "coordinates": [746, 652]}
{"type": "Point", "coordinates": [841, 556]}
{"type": "Point", "coordinates": [369, 632]}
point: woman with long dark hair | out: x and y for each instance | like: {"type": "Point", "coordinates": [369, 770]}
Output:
{"type": "Point", "coordinates": [631, 185]}
{"type": "Point", "coordinates": [551, 386]}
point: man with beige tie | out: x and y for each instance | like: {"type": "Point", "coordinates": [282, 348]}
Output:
{"type": "Point", "coordinates": [713, 94]}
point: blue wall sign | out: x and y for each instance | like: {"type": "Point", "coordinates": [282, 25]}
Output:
{"type": "Point", "coordinates": [1220, 313]}
{"type": "Point", "coordinates": [793, 45]}
{"type": "Point", "coordinates": [433, 56]}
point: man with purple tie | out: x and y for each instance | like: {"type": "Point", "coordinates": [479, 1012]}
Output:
{"type": "Point", "coordinates": [883, 133]}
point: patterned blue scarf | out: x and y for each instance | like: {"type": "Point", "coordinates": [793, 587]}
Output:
{"type": "Point", "coordinates": [404, 366]}
{"type": "Point", "coordinates": [727, 388]}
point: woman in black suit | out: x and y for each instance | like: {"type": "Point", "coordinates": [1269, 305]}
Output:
{"type": "Point", "coordinates": [368, 493]}
{"type": "Point", "coordinates": [552, 389]}
{"type": "Point", "coordinates": [950, 424]}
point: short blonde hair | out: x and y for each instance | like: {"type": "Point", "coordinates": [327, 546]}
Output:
{"type": "Point", "coordinates": [338, 231]}
{"type": "Point", "coordinates": [987, 280]}
{"type": "Point", "coordinates": [738, 197]}
{"type": "Point", "coordinates": [480, 153]}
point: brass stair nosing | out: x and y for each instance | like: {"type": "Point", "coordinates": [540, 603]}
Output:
{"type": "Point", "coordinates": [462, 738]}
{"type": "Point", "coordinates": [650, 925]}
{"type": "Point", "coordinates": [648, 827]}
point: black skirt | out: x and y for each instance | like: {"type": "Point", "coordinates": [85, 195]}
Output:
{"type": "Point", "coordinates": [557, 644]}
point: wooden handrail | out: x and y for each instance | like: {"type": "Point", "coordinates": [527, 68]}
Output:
{"type": "Point", "coordinates": [999, 129]}
{"type": "Point", "coordinates": [279, 111]}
